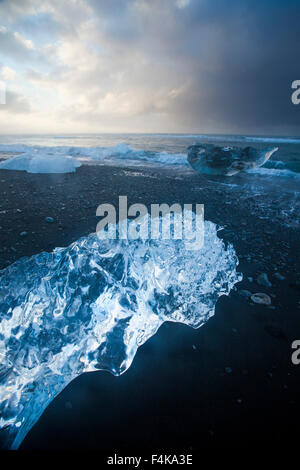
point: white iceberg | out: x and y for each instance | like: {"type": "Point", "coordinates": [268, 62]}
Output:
{"type": "Point", "coordinates": [41, 162]}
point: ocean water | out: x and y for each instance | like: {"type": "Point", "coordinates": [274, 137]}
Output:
{"type": "Point", "coordinates": [150, 149]}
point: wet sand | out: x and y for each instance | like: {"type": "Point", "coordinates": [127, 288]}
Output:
{"type": "Point", "coordinates": [230, 383]}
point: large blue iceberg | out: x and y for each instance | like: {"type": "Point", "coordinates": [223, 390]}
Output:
{"type": "Point", "coordinates": [90, 306]}
{"type": "Point", "coordinates": [212, 159]}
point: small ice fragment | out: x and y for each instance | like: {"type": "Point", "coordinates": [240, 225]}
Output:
{"type": "Point", "coordinates": [261, 298]}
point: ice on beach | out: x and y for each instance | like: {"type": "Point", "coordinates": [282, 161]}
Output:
{"type": "Point", "coordinates": [211, 159]}
{"type": "Point", "coordinates": [89, 307]}
{"type": "Point", "coordinates": [41, 163]}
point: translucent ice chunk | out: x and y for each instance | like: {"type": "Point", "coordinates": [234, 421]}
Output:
{"type": "Point", "coordinates": [90, 306]}
{"type": "Point", "coordinates": [42, 163]}
{"type": "Point", "coordinates": [211, 159]}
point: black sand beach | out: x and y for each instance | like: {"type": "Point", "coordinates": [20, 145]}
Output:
{"type": "Point", "coordinates": [230, 383]}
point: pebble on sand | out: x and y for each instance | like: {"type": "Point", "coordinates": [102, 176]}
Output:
{"type": "Point", "coordinates": [260, 298]}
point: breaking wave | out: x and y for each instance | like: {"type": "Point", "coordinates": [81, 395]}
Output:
{"type": "Point", "coordinates": [90, 306]}
{"type": "Point", "coordinates": [61, 159]}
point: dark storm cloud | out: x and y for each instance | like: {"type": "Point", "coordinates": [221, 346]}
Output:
{"type": "Point", "coordinates": [256, 59]}
{"type": "Point", "coordinates": [237, 58]}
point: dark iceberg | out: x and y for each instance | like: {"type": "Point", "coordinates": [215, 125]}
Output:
{"type": "Point", "coordinates": [214, 160]}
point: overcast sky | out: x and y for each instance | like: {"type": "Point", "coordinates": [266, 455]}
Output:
{"type": "Point", "coordinates": [210, 66]}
